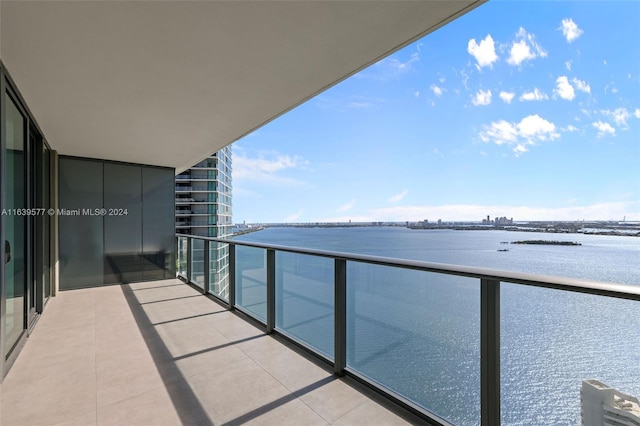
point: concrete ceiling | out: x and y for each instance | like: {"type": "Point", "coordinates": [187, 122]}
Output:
{"type": "Point", "coordinates": [169, 82]}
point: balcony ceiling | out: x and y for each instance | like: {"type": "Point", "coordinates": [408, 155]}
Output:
{"type": "Point", "coordinates": [170, 82]}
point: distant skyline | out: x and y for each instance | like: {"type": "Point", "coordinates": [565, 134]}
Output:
{"type": "Point", "coordinates": [528, 110]}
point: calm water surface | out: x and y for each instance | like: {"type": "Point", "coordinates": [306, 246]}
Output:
{"type": "Point", "coordinates": [418, 333]}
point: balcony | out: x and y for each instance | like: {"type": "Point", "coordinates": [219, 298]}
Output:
{"type": "Point", "coordinates": [160, 353]}
{"type": "Point", "coordinates": [166, 352]}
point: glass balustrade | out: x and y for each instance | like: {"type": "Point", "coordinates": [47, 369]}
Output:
{"type": "Point", "coordinates": [448, 340]}
{"type": "Point", "coordinates": [181, 266]}
{"type": "Point", "coordinates": [417, 334]}
{"type": "Point", "coordinates": [219, 270]}
{"type": "Point", "coordinates": [576, 337]}
{"type": "Point", "coordinates": [251, 280]}
{"type": "Point", "coordinates": [197, 262]}
{"type": "Point", "coordinates": [304, 299]}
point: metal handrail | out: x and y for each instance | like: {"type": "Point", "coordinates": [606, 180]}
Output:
{"type": "Point", "coordinates": [622, 291]}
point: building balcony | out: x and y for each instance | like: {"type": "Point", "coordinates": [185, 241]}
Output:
{"type": "Point", "coordinates": [160, 353]}
{"type": "Point", "coordinates": [286, 337]}
{"type": "Point", "coordinates": [184, 200]}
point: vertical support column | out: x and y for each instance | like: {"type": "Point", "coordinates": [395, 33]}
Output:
{"type": "Point", "coordinates": [55, 253]}
{"type": "Point", "coordinates": [3, 299]}
{"type": "Point", "coordinates": [188, 259]}
{"type": "Point", "coordinates": [232, 276]}
{"type": "Point", "coordinates": [271, 290]}
{"type": "Point", "coordinates": [489, 352]}
{"type": "Point", "coordinates": [205, 266]}
{"type": "Point", "coordinates": [279, 298]}
{"type": "Point", "coordinates": [340, 316]}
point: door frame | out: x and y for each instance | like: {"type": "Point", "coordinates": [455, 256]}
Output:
{"type": "Point", "coordinates": [33, 268]}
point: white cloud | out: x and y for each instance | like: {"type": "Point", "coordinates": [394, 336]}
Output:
{"type": "Point", "coordinates": [525, 48]}
{"type": "Point", "coordinates": [391, 67]}
{"type": "Point", "coordinates": [529, 131]}
{"type": "Point", "coordinates": [266, 169]}
{"type": "Point", "coordinates": [567, 64]}
{"type": "Point", "coordinates": [436, 90]}
{"type": "Point", "coordinates": [604, 128]}
{"type": "Point", "coordinates": [570, 30]}
{"type": "Point", "coordinates": [416, 94]}
{"type": "Point", "coordinates": [581, 85]}
{"type": "Point", "coordinates": [347, 206]}
{"type": "Point", "coordinates": [294, 217]}
{"type": "Point", "coordinates": [342, 103]}
{"type": "Point", "coordinates": [620, 115]}
{"type": "Point", "coordinates": [536, 127]}
{"type": "Point", "coordinates": [484, 52]}
{"type": "Point", "coordinates": [564, 89]}
{"type": "Point", "coordinates": [399, 196]}
{"type": "Point", "coordinates": [500, 132]}
{"type": "Point", "coordinates": [507, 97]}
{"type": "Point", "coordinates": [403, 66]}
{"type": "Point", "coordinates": [637, 112]}
{"type": "Point", "coordinates": [536, 95]}
{"type": "Point", "coordinates": [571, 128]}
{"type": "Point", "coordinates": [482, 98]}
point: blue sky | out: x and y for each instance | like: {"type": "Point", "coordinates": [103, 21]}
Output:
{"type": "Point", "coordinates": [528, 110]}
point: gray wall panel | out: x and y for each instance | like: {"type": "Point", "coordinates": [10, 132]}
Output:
{"type": "Point", "coordinates": [158, 186]}
{"type": "Point", "coordinates": [122, 223]}
{"type": "Point", "coordinates": [134, 241]}
{"type": "Point", "coordinates": [81, 236]}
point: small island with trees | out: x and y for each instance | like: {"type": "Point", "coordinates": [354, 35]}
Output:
{"type": "Point", "coordinates": [548, 242]}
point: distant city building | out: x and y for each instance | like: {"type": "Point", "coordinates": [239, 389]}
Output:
{"type": "Point", "coordinates": [499, 221]}
{"type": "Point", "coordinates": [203, 207]}
{"type": "Point", "coordinates": [604, 406]}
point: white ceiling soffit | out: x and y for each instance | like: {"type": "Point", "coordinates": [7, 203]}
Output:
{"type": "Point", "coordinates": [169, 82]}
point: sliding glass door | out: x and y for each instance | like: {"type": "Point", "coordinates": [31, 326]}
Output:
{"type": "Point", "coordinates": [15, 224]}
{"type": "Point", "coordinates": [24, 173]}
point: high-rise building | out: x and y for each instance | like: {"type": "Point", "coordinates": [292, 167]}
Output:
{"type": "Point", "coordinates": [203, 207]}
{"type": "Point", "coordinates": [604, 406]}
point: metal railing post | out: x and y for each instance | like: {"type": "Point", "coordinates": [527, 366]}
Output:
{"type": "Point", "coordinates": [271, 290]}
{"type": "Point", "coordinates": [489, 352]}
{"type": "Point", "coordinates": [232, 276]}
{"type": "Point", "coordinates": [340, 316]}
{"type": "Point", "coordinates": [189, 259]}
{"type": "Point", "coordinates": [176, 261]}
{"type": "Point", "coordinates": [205, 266]}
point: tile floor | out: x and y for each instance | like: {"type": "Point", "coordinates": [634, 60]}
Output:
{"type": "Point", "coordinates": [158, 353]}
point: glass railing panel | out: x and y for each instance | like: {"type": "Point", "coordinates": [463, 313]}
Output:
{"type": "Point", "coordinates": [219, 269]}
{"type": "Point", "coordinates": [251, 280]}
{"type": "Point", "coordinates": [304, 299]}
{"type": "Point", "coordinates": [181, 262]}
{"type": "Point", "coordinates": [417, 334]}
{"type": "Point", "coordinates": [551, 341]}
{"type": "Point", "coordinates": [197, 262]}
